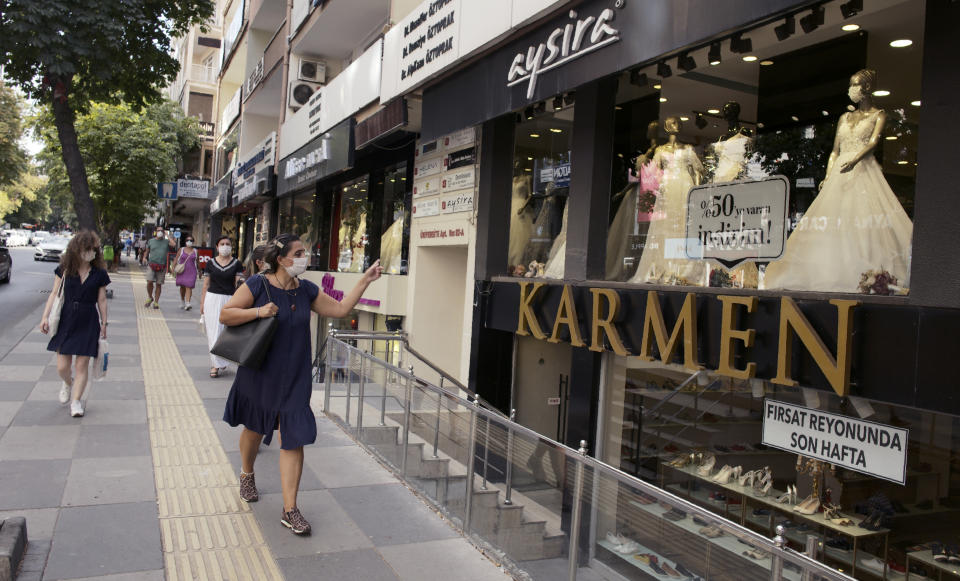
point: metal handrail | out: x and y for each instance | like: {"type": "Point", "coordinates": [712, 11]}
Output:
{"type": "Point", "coordinates": [776, 547]}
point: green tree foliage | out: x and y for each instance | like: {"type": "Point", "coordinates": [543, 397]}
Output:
{"type": "Point", "coordinates": [25, 200]}
{"type": "Point", "coordinates": [126, 152]}
{"type": "Point", "coordinates": [13, 159]}
{"type": "Point", "coordinates": [70, 53]}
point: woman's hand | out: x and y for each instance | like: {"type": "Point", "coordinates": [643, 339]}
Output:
{"type": "Point", "coordinates": [103, 331]}
{"type": "Point", "coordinates": [373, 273]}
{"type": "Point", "coordinates": [44, 326]}
{"type": "Point", "coordinates": [267, 310]}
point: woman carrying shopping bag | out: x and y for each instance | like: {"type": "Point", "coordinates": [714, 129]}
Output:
{"type": "Point", "coordinates": [219, 282]}
{"type": "Point", "coordinates": [80, 282]}
{"type": "Point", "coordinates": [185, 268]}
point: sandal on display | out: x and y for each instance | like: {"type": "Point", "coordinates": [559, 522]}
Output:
{"type": "Point", "coordinates": [809, 506]}
{"type": "Point", "coordinates": [748, 478]}
{"type": "Point", "coordinates": [726, 473]}
{"type": "Point", "coordinates": [707, 466]}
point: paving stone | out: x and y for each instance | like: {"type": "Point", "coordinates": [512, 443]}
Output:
{"type": "Point", "coordinates": [107, 441]}
{"type": "Point", "coordinates": [332, 528]}
{"type": "Point", "coordinates": [268, 473]}
{"type": "Point", "coordinates": [109, 480]}
{"type": "Point", "coordinates": [407, 520]}
{"type": "Point", "coordinates": [93, 541]}
{"type": "Point", "coordinates": [114, 390]}
{"type": "Point", "coordinates": [46, 391]}
{"type": "Point", "coordinates": [8, 409]}
{"type": "Point", "coordinates": [40, 521]}
{"type": "Point", "coordinates": [434, 561]}
{"type": "Point", "coordinates": [15, 390]}
{"type": "Point", "coordinates": [112, 411]}
{"type": "Point", "coordinates": [345, 466]}
{"type": "Point", "coordinates": [363, 564]}
{"type": "Point", "coordinates": [138, 576]}
{"type": "Point", "coordinates": [33, 483]}
{"type": "Point", "coordinates": [45, 358]}
{"type": "Point", "coordinates": [38, 442]}
{"type": "Point", "coordinates": [44, 413]}
{"type": "Point", "coordinates": [119, 373]}
{"type": "Point", "coordinates": [21, 372]}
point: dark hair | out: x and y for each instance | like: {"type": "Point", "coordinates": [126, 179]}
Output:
{"type": "Point", "coordinates": [70, 260]}
{"type": "Point", "coordinates": [255, 255]}
{"type": "Point", "coordinates": [277, 248]}
{"type": "Point", "coordinates": [222, 238]}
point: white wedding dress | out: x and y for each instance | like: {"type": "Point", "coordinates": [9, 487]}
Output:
{"type": "Point", "coordinates": [731, 155]}
{"type": "Point", "coordinates": [668, 228]}
{"type": "Point", "coordinates": [558, 251]}
{"type": "Point", "coordinates": [521, 222]}
{"type": "Point", "coordinates": [855, 224]}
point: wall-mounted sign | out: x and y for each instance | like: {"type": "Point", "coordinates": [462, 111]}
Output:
{"type": "Point", "coordinates": [859, 445]}
{"type": "Point", "coordinates": [738, 221]}
{"type": "Point", "coordinates": [425, 149]}
{"type": "Point", "coordinates": [167, 190]}
{"type": "Point", "coordinates": [453, 233]}
{"type": "Point", "coordinates": [254, 79]}
{"type": "Point", "coordinates": [230, 111]}
{"type": "Point", "coordinates": [295, 165]}
{"type": "Point", "coordinates": [561, 175]}
{"type": "Point", "coordinates": [458, 180]}
{"type": "Point", "coordinates": [459, 139]}
{"type": "Point", "coordinates": [426, 187]}
{"type": "Point", "coordinates": [329, 153]}
{"type": "Point", "coordinates": [462, 202]}
{"type": "Point", "coordinates": [252, 177]}
{"type": "Point", "coordinates": [461, 158]}
{"type": "Point", "coordinates": [424, 208]}
{"type": "Point", "coordinates": [193, 189]}
{"type": "Point", "coordinates": [428, 167]}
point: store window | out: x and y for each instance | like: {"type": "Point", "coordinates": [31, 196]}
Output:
{"type": "Point", "coordinates": [743, 449]}
{"type": "Point", "coordinates": [395, 239]}
{"type": "Point", "coordinates": [354, 210]}
{"type": "Point", "coordinates": [807, 125]}
{"type": "Point", "coordinates": [541, 185]}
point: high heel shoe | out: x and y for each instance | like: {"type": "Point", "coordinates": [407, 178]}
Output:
{"type": "Point", "coordinates": [785, 497]}
{"type": "Point", "coordinates": [723, 476]}
{"type": "Point", "coordinates": [748, 478]}
{"type": "Point", "coordinates": [707, 466]}
{"type": "Point", "coordinates": [809, 506]}
{"type": "Point", "coordinates": [765, 490]}
{"type": "Point", "coordinates": [793, 493]}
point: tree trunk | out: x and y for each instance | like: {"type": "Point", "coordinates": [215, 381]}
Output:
{"type": "Point", "coordinates": [64, 119]}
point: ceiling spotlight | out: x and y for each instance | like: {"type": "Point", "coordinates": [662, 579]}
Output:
{"type": "Point", "coordinates": [570, 98]}
{"type": "Point", "coordinates": [891, 137]}
{"type": "Point", "coordinates": [825, 113]}
{"type": "Point", "coordinates": [534, 135]}
{"type": "Point", "coordinates": [749, 58]}
{"type": "Point", "coordinates": [700, 122]}
{"type": "Point", "coordinates": [766, 63]}
{"type": "Point", "coordinates": [812, 21]}
{"type": "Point", "coordinates": [556, 130]}
{"type": "Point", "coordinates": [915, 103]}
{"type": "Point", "coordinates": [663, 69]}
{"type": "Point", "coordinates": [637, 78]}
{"type": "Point", "coordinates": [540, 107]}
{"type": "Point", "coordinates": [713, 111]}
{"type": "Point", "coordinates": [663, 99]}
{"type": "Point", "coordinates": [714, 55]}
{"type": "Point", "coordinates": [658, 86]}
{"type": "Point", "coordinates": [850, 27]}
{"type": "Point", "coordinates": [881, 93]}
{"type": "Point", "coordinates": [794, 118]}
{"type": "Point", "coordinates": [851, 8]}
{"type": "Point", "coordinates": [528, 113]}
{"type": "Point", "coordinates": [557, 103]}
{"type": "Point", "coordinates": [901, 43]}
{"type": "Point", "coordinates": [686, 62]}
{"type": "Point", "coordinates": [785, 30]}
{"type": "Point", "coordinates": [684, 118]}
{"type": "Point", "coordinates": [738, 44]}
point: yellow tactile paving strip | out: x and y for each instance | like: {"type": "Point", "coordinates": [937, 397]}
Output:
{"type": "Point", "coordinates": [208, 533]}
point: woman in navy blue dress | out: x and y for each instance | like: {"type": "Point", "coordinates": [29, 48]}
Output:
{"type": "Point", "coordinates": [83, 318]}
{"type": "Point", "coordinates": [277, 396]}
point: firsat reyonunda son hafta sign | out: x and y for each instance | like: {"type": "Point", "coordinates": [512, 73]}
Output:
{"type": "Point", "coordinates": [859, 445]}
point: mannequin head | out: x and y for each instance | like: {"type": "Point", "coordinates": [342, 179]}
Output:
{"type": "Point", "coordinates": [862, 84]}
{"type": "Point", "coordinates": [652, 129]}
{"type": "Point", "coordinates": [731, 112]}
{"type": "Point", "coordinates": [672, 125]}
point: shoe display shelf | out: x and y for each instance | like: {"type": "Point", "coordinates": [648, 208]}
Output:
{"type": "Point", "coordinates": [816, 524]}
{"type": "Point", "coordinates": [630, 558]}
{"type": "Point", "coordinates": [942, 570]}
{"type": "Point", "coordinates": [720, 554]}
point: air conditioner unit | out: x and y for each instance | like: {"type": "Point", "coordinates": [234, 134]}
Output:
{"type": "Point", "coordinates": [313, 71]}
{"type": "Point", "coordinates": [300, 92]}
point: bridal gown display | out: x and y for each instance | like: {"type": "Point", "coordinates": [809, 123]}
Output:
{"type": "Point", "coordinates": [732, 155]}
{"type": "Point", "coordinates": [521, 220]}
{"type": "Point", "coordinates": [558, 251]}
{"type": "Point", "coordinates": [855, 224]}
{"type": "Point", "coordinates": [669, 222]}
{"type": "Point", "coordinates": [626, 221]}
{"type": "Point", "coordinates": [391, 244]}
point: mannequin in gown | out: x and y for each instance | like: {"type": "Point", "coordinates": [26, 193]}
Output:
{"type": "Point", "coordinates": [391, 244]}
{"type": "Point", "coordinates": [625, 222]}
{"type": "Point", "coordinates": [855, 224]}
{"type": "Point", "coordinates": [732, 152]}
{"type": "Point", "coordinates": [521, 220]}
{"type": "Point", "coordinates": [681, 171]}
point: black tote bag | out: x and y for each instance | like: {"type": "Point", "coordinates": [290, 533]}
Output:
{"type": "Point", "coordinates": [247, 344]}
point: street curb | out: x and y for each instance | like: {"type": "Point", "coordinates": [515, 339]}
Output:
{"type": "Point", "coordinates": [13, 544]}
{"type": "Point", "coordinates": [22, 329]}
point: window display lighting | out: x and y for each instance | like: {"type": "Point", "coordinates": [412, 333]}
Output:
{"type": "Point", "coordinates": [787, 29]}
{"type": "Point", "coordinates": [814, 20]}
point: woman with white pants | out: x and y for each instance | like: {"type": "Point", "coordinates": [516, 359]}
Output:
{"type": "Point", "coordinates": [221, 275]}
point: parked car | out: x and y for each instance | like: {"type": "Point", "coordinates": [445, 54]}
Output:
{"type": "Point", "coordinates": [17, 238]}
{"type": "Point", "coordinates": [38, 237]}
{"type": "Point", "coordinates": [51, 248]}
{"type": "Point", "coordinates": [6, 262]}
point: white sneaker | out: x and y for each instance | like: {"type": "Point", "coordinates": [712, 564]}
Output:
{"type": "Point", "coordinates": [64, 392]}
{"type": "Point", "coordinates": [76, 409]}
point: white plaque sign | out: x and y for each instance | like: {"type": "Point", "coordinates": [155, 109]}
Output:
{"type": "Point", "coordinates": [859, 445]}
{"type": "Point", "coordinates": [738, 221]}
{"type": "Point", "coordinates": [458, 180]}
{"type": "Point", "coordinates": [459, 139]}
{"type": "Point", "coordinates": [426, 208]}
{"type": "Point", "coordinates": [428, 167]}
{"type": "Point", "coordinates": [457, 203]}
{"type": "Point", "coordinates": [426, 187]}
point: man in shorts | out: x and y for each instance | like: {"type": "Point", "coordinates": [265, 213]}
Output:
{"type": "Point", "coordinates": [157, 249]}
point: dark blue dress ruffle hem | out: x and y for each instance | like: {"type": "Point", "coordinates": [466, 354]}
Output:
{"type": "Point", "coordinates": [277, 396]}
{"type": "Point", "coordinates": [79, 330]}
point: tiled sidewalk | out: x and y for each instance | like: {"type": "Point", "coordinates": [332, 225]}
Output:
{"type": "Point", "coordinates": [88, 486]}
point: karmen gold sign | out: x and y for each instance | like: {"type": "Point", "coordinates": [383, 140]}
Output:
{"type": "Point", "coordinates": [606, 305]}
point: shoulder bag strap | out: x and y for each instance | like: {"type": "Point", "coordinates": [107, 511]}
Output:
{"type": "Point", "coordinates": [266, 287]}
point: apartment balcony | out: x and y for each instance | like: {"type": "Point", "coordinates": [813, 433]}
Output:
{"type": "Point", "coordinates": [203, 74]}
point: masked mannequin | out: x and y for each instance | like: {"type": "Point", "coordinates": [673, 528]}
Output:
{"type": "Point", "coordinates": [627, 220]}
{"type": "Point", "coordinates": [681, 171]}
{"type": "Point", "coordinates": [855, 224]}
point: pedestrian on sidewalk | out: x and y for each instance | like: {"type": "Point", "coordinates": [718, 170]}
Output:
{"type": "Point", "coordinates": [254, 264]}
{"type": "Point", "coordinates": [156, 251]}
{"type": "Point", "coordinates": [277, 396]}
{"type": "Point", "coordinates": [83, 317]}
{"type": "Point", "coordinates": [187, 279]}
{"type": "Point", "coordinates": [221, 276]}
{"type": "Point", "coordinates": [141, 250]}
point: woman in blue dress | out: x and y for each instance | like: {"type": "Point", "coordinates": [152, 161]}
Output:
{"type": "Point", "coordinates": [83, 316]}
{"type": "Point", "coordinates": [277, 396]}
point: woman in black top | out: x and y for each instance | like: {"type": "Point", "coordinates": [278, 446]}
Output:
{"type": "Point", "coordinates": [219, 282]}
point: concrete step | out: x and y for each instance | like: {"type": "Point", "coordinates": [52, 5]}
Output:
{"type": "Point", "coordinates": [375, 435]}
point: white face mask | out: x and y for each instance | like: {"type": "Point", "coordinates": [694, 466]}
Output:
{"type": "Point", "coordinates": [224, 250]}
{"type": "Point", "coordinates": [855, 93]}
{"type": "Point", "coordinates": [88, 255]}
{"type": "Point", "coordinates": [298, 267]}
{"type": "Point", "coordinates": [159, 234]}
{"type": "Point", "coordinates": [189, 243]}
